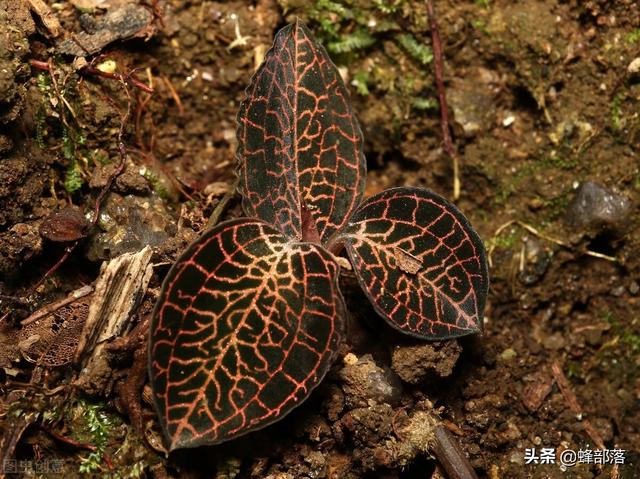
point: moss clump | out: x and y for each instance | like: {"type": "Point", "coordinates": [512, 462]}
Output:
{"type": "Point", "coordinates": [634, 36]}
{"type": "Point", "coordinates": [385, 44]}
{"type": "Point", "coordinates": [418, 51]}
{"type": "Point", "coordinates": [90, 423]}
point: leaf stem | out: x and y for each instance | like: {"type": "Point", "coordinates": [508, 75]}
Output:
{"type": "Point", "coordinates": [442, 99]}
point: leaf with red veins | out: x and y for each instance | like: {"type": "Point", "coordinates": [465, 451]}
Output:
{"type": "Point", "coordinates": [299, 143]}
{"type": "Point", "coordinates": [420, 262]}
{"type": "Point", "coordinates": [247, 324]}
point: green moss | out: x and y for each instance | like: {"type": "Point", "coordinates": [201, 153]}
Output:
{"type": "Point", "coordinates": [563, 163]}
{"type": "Point", "coordinates": [100, 157]}
{"type": "Point", "coordinates": [156, 183]}
{"type": "Point", "coordinates": [627, 333]}
{"type": "Point", "coordinates": [361, 80]}
{"type": "Point", "coordinates": [350, 42]}
{"type": "Point", "coordinates": [41, 128]}
{"type": "Point", "coordinates": [387, 6]}
{"type": "Point", "coordinates": [416, 50]}
{"type": "Point", "coordinates": [616, 112]}
{"type": "Point", "coordinates": [425, 104]}
{"type": "Point", "coordinates": [506, 240]}
{"type": "Point", "coordinates": [90, 423]}
{"type": "Point", "coordinates": [481, 25]}
{"type": "Point", "coordinates": [634, 36]}
{"type": "Point", "coordinates": [573, 370]}
{"type": "Point", "coordinates": [43, 80]}
{"type": "Point", "coordinates": [73, 177]}
{"type": "Point", "coordinates": [348, 28]}
{"type": "Point", "coordinates": [632, 340]}
{"type": "Point", "coordinates": [555, 207]}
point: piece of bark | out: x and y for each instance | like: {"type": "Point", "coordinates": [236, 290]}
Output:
{"type": "Point", "coordinates": [119, 289]}
{"type": "Point", "coordinates": [534, 394]}
{"type": "Point", "coordinates": [119, 23]}
{"type": "Point", "coordinates": [49, 19]}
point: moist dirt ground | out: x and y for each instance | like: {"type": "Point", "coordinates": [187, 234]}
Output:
{"type": "Point", "coordinates": [545, 103]}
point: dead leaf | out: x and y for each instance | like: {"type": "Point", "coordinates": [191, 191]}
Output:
{"type": "Point", "coordinates": [406, 261]}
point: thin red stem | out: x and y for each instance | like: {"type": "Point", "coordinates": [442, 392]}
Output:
{"type": "Point", "coordinates": [442, 96]}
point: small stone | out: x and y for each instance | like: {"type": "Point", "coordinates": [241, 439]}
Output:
{"type": "Point", "coordinates": [593, 336]}
{"type": "Point", "coordinates": [350, 359]}
{"type": "Point", "coordinates": [634, 66]}
{"type": "Point", "coordinates": [537, 260]}
{"type": "Point", "coordinates": [604, 427]}
{"type": "Point", "coordinates": [634, 287]}
{"type": "Point", "coordinates": [597, 208]}
{"type": "Point", "coordinates": [107, 66]}
{"type": "Point", "coordinates": [189, 40]}
{"type": "Point", "coordinates": [555, 342]}
{"type": "Point", "coordinates": [618, 291]}
{"type": "Point", "coordinates": [472, 103]}
{"type": "Point", "coordinates": [508, 354]}
{"type": "Point", "coordinates": [508, 120]}
{"type": "Point", "coordinates": [517, 457]}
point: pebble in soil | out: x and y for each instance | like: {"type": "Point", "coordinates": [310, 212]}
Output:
{"type": "Point", "coordinates": [536, 261]}
{"type": "Point", "coordinates": [595, 209]}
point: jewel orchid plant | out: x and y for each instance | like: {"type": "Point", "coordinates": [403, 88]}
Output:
{"type": "Point", "coordinates": [250, 316]}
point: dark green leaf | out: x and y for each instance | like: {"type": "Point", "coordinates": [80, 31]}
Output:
{"type": "Point", "coordinates": [421, 264]}
{"type": "Point", "coordinates": [247, 324]}
{"type": "Point", "coordinates": [299, 144]}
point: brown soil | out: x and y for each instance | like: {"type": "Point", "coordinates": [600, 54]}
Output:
{"type": "Point", "coordinates": [544, 97]}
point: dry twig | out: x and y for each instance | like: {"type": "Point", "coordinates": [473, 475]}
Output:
{"type": "Point", "coordinates": [574, 405]}
{"type": "Point", "coordinates": [51, 307]}
{"type": "Point", "coordinates": [450, 456]}
{"type": "Point", "coordinates": [544, 236]}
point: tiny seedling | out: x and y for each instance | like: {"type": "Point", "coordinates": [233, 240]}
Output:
{"type": "Point", "coordinates": [250, 316]}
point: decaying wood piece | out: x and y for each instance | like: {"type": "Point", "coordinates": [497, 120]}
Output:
{"type": "Point", "coordinates": [14, 428]}
{"type": "Point", "coordinates": [49, 19]}
{"type": "Point", "coordinates": [127, 21]}
{"type": "Point", "coordinates": [118, 291]}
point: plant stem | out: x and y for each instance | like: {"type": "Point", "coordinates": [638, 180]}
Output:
{"type": "Point", "coordinates": [442, 98]}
